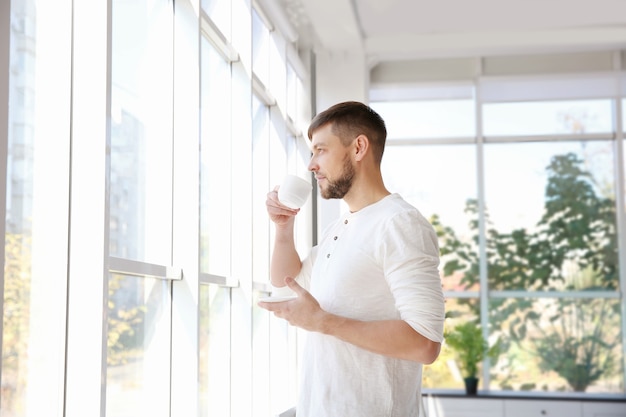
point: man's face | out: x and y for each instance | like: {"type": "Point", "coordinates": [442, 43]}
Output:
{"type": "Point", "coordinates": [331, 164]}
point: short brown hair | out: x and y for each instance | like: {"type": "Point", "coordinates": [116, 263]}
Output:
{"type": "Point", "coordinates": [351, 119]}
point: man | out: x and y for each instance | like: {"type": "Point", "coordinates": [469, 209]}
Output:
{"type": "Point", "coordinates": [369, 293]}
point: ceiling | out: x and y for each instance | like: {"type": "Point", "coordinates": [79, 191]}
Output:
{"type": "Point", "coordinates": [387, 30]}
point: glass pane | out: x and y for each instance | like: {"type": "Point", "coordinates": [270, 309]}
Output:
{"type": "Point", "coordinates": [550, 117]}
{"type": "Point", "coordinates": [278, 69]}
{"type": "Point", "coordinates": [441, 182]}
{"type": "Point", "coordinates": [34, 280]}
{"type": "Point", "coordinates": [303, 107]}
{"type": "Point", "coordinates": [141, 131]}
{"type": "Point", "coordinates": [551, 213]}
{"type": "Point", "coordinates": [551, 344]}
{"type": "Point", "coordinates": [281, 148]}
{"type": "Point", "coordinates": [219, 11]}
{"type": "Point", "coordinates": [138, 347]}
{"type": "Point", "coordinates": [214, 350]}
{"type": "Point", "coordinates": [445, 373]}
{"type": "Point", "coordinates": [260, 188]}
{"type": "Point", "coordinates": [283, 383]}
{"type": "Point", "coordinates": [260, 49]}
{"type": "Point", "coordinates": [292, 93]}
{"type": "Point", "coordinates": [216, 163]}
{"type": "Point", "coordinates": [260, 360]}
{"type": "Point", "coordinates": [428, 119]}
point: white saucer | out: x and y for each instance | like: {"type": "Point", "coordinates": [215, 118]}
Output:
{"type": "Point", "coordinates": [278, 299]}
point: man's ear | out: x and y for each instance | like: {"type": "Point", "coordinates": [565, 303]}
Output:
{"type": "Point", "coordinates": [361, 147]}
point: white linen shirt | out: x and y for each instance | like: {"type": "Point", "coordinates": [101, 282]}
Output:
{"type": "Point", "coordinates": [379, 263]}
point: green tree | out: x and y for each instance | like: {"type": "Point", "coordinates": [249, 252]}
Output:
{"type": "Point", "coordinates": [577, 341]}
{"type": "Point", "coordinates": [576, 233]}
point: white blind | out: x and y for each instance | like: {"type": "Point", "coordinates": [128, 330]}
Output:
{"type": "Point", "coordinates": [553, 87]}
{"type": "Point", "coordinates": [426, 91]}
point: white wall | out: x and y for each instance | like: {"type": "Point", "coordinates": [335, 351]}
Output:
{"type": "Point", "coordinates": [339, 76]}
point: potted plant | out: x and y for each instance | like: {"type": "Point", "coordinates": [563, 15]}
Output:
{"type": "Point", "coordinates": [470, 348]}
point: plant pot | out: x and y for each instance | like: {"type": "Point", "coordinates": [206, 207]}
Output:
{"type": "Point", "coordinates": [471, 385]}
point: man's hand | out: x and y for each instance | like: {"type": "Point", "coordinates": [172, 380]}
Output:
{"type": "Point", "coordinates": [303, 312]}
{"type": "Point", "coordinates": [394, 338]}
{"type": "Point", "coordinates": [279, 213]}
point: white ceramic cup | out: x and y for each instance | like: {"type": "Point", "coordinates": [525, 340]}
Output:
{"type": "Point", "coordinates": [294, 191]}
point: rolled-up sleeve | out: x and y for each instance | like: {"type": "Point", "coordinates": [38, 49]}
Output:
{"type": "Point", "coordinates": [410, 255]}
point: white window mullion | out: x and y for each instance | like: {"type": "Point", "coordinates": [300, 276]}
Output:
{"type": "Point", "coordinates": [620, 188]}
{"type": "Point", "coordinates": [184, 354]}
{"type": "Point", "coordinates": [241, 243]}
{"type": "Point", "coordinates": [482, 222]}
{"type": "Point", "coordinates": [50, 229]}
{"type": "Point", "coordinates": [86, 337]}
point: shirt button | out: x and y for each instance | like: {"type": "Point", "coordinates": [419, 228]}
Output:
{"type": "Point", "coordinates": [345, 221]}
{"type": "Point", "coordinates": [328, 255]}
{"type": "Point", "coordinates": [335, 238]}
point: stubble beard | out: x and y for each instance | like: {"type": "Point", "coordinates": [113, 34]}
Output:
{"type": "Point", "coordinates": [340, 187]}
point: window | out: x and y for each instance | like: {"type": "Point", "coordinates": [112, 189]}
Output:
{"type": "Point", "coordinates": [260, 48]}
{"type": "Point", "coordinates": [142, 130]}
{"type": "Point", "coordinates": [138, 353]}
{"type": "Point", "coordinates": [215, 347]}
{"type": "Point", "coordinates": [134, 144]}
{"type": "Point", "coordinates": [140, 209]}
{"type": "Point", "coordinates": [550, 117]}
{"type": "Point", "coordinates": [428, 118]}
{"type": "Point", "coordinates": [527, 220]}
{"type": "Point", "coordinates": [35, 222]}
{"type": "Point", "coordinates": [260, 187]}
{"type": "Point", "coordinates": [219, 11]}
{"type": "Point", "coordinates": [247, 144]}
{"type": "Point", "coordinates": [556, 240]}
{"type": "Point", "coordinates": [216, 154]}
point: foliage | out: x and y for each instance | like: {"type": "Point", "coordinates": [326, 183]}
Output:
{"type": "Point", "coordinates": [125, 323]}
{"type": "Point", "coordinates": [467, 340]}
{"type": "Point", "coordinates": [578, 342]}
{"type": "Point", "coordinates": [16, 315]}
{"type": "Point", "coordinates": [576, 233]}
